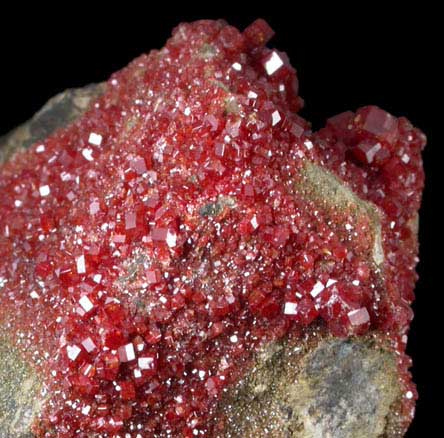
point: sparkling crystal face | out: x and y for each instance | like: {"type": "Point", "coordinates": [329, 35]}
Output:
{"type": "Point", "coordinates": [151, 247]}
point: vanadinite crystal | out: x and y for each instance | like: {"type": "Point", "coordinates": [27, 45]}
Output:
{"type": "Point", "coordinates": [152, 246]}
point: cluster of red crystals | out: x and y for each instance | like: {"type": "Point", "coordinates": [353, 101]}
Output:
{"type": "Point", "coordinates": [149, 248]}
{"type": "Point", "coordinates": [379, 156]}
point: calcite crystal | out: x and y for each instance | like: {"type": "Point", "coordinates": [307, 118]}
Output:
{"type": "Point", "coordinates": [185, 251]}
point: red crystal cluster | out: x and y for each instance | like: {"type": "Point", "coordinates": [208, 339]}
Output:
{"type": "Point", "coordinates": [149, 248]}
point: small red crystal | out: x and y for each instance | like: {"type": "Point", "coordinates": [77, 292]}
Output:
{"type": "Point", "coordinates": [127, 390]}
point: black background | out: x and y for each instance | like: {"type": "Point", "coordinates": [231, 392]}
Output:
{"type": "Point", "coordinates": [359, 54]}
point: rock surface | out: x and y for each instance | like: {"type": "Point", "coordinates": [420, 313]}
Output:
{"type": "Point", "coordinates": [318, 388]}
{"type": "Point", "coordinates": [307, 379]}
{"type": "Point", "coordinates": [56, 113]}
{"type": "Point", "coordinates": [20, 394]}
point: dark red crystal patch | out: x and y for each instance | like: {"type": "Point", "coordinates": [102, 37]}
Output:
{"type": "Point", "coordinates": [151, 247]}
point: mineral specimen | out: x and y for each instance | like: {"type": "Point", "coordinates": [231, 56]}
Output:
{"type": "Point", "coordinates": [186, 258]}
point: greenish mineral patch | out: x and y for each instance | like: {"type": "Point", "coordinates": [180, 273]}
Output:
{"type": "Point", "coordinates": [328, 191]}
{"type": "Point", "coordinates": [20, 394]}
{"type": "Point", "coordinates": [214, 209]}
{"type": "Point", "coordinates": [207, 51]}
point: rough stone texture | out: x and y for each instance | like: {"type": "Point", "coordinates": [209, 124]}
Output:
{"type": "Point", "coordinates": [321, 388]}
{"type": "Point", "coordinates": [20, 394]}
{"type": "Point", "coordinates": [58, 112]}
{"type": "Point", "coordinates": [330, 193]}
{"type": "Point", "coordinates": [340, 388]}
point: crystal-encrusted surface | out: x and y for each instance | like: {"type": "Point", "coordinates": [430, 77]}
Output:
{"type": "Point", "coordinates": [148, 249]}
